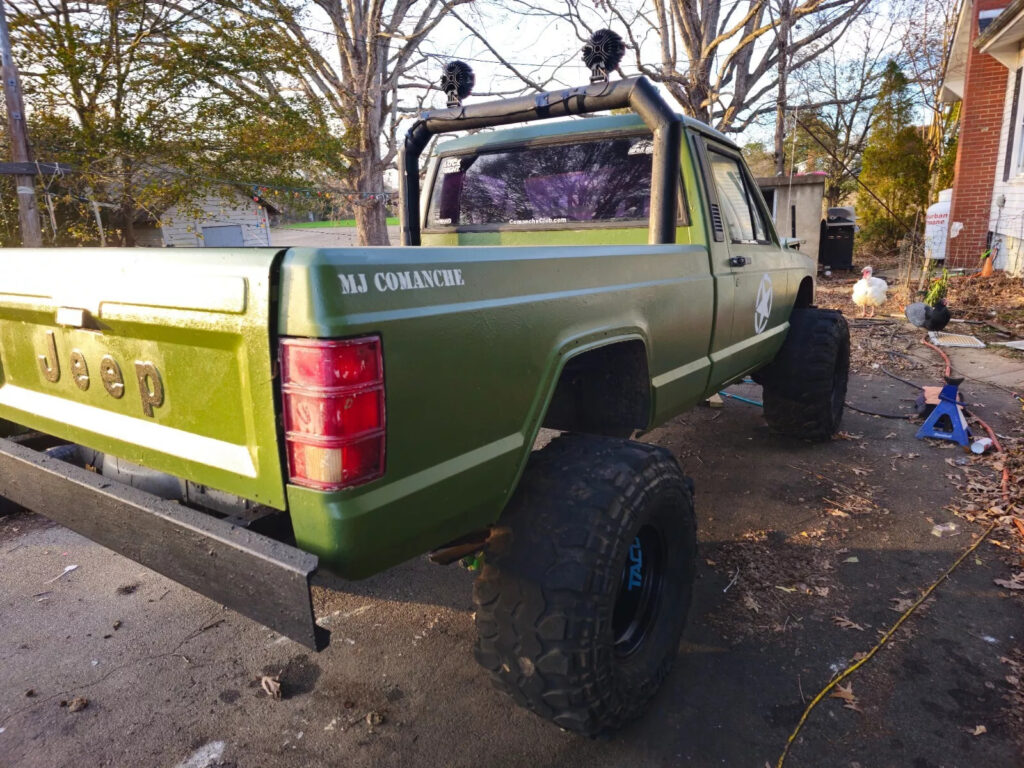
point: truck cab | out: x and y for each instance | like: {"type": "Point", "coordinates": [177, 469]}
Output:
{"type": "Point", "coordinates": [588, 181]}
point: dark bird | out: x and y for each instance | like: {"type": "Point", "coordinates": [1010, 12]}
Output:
{"type": "Point", "coordinates": [930, 318]}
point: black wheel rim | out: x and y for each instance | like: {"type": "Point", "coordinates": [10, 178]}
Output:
{"type": "Point", "coordinates": [636, 605]}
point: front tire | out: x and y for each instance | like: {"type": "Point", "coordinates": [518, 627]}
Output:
{"type": "Point", "coordinates": [580, 607]}
{"type": "Point", "coordinates": [805, 386]}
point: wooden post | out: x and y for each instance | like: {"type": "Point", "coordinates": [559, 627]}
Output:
{"type": "Point", "coordinates": [24, 184]}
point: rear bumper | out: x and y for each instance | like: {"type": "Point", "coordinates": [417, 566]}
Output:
{"type": "Point", "coordinates": [261, 578]}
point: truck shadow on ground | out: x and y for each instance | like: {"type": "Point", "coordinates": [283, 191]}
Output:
{"type": "Point", "coordinates": [807, 554]}
{"type": "Point", "coordinates": [753, 655]}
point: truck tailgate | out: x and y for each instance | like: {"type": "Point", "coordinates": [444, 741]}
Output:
{"type": "Point", "coordinates": [159, 356]}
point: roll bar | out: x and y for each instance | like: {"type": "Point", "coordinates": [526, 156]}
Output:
{"type": "Point", "coordinates": [636, 93]}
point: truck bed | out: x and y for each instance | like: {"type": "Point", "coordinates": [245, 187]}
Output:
{"type": "Point", "coordinates": [474, 341]}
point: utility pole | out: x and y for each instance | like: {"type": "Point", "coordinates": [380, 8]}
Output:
{"type": "Point", "coordinates": [28, 213]}
{"type": "Point", "coordinates": [780, 108]}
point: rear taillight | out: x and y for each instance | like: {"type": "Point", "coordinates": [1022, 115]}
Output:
{"type": "Point", "coordinates": [333, 393]}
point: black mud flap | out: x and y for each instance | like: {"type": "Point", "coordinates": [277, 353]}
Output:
{"type": "Point", "coordinates": [261, 578]}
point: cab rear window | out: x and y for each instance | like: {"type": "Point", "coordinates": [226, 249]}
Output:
{"type": "Point", "coordinates": [548, 186]}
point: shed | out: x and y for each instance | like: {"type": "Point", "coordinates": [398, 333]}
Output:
{"type": "Point", "coordinates": [221, 218]}
{"type": "Point", "coordinates": [796, 204]}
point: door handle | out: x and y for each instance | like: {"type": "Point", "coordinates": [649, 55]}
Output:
{"type": "Point", "coordinates": [738, 261]}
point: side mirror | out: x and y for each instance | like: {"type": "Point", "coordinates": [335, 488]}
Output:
{"type": "Point", "coordinates": [793, 243]}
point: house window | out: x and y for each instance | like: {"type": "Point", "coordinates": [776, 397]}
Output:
{"type": "Point", "coordinates": [987, 17]}
{"type": "Point", "coordinates": [1016, 136]}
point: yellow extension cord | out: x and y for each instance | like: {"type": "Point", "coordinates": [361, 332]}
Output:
{"type": "Point", "coordinates": [885, 638]}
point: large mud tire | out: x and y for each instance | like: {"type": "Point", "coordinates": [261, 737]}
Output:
{"type": "Point", "coordinates": [805, 386]}
{"type": "Point", "coordinates": [582, 600]}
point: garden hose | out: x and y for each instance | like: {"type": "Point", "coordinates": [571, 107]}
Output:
{"type": "Point", "coordinates": [885, 638]}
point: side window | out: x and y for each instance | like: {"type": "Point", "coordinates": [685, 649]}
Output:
{"type": "Point", "coordinates": [740, 210]}
{"type": "Point", "coordinates": [760, 230]}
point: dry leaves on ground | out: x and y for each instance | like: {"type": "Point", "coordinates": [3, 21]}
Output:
{"type": "Point", "coordinates": [1016, 581]}
{"type": "Point", "coordinates": [996, 299]}
{"type": "Point", "coordinates": [776, 579]}
{"type": "Point", "coordinates": [845, 692]}
{"type": "Point", "coordinates": [1014, 694]}
{"type": "Point", "coordinates": [845, 623]}
{"type": "Point", "coordinates": [981, 497]}
{"type": "Point", "coordinates": [901, 604]}
{"type": "Point", "coordinates": [271, 685]}
{"type": "Point", "coordinates": [849, 496]}
{"type": "Point", "coordinates": [77, 704]}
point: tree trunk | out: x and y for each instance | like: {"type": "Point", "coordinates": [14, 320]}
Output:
{"type": "Point", "coordinates": [127, 206]}
{"type": "Point", "coordinates": [834, 196]}
{"type": "Point", "coordinates": [780, 109]}
{"type": "Point", "coordinates": [370, 208]}
{"type": "Point", "coordinates": [128, 218]}
{"type": "Point", "coordinates": [371, 222]}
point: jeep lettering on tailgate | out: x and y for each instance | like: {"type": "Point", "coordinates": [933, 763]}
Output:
{"type": "Point", "coordinates": [151, 386]}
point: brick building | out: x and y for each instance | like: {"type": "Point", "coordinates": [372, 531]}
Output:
{"type": "Point", "coordinates": [984, 73]}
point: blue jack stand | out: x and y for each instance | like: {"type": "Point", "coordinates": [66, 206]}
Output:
{"type": "Point", "coordinates": [948, 407]}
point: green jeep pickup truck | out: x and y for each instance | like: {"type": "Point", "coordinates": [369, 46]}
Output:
{"type": "Point", "coordinates": [237, 418]}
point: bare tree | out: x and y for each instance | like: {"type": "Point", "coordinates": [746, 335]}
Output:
{"type": "Point", "coordinates": [356, 68]}
{"type": "Point", "coordinates": [928, 27]}
{"type": "Point", "coordinates": [841, 89]}
{"type": "Point", "coordinates": [721, 59]}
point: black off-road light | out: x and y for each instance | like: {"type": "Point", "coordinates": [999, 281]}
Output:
{"type": "Point", "coordinates": [602, 54]}
{"type": "Point", "coordinates": [457, 82]}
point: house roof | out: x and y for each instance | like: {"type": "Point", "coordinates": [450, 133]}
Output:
{"type": "Point", "coordinates": [959, 48]}
{"type": "Point", "coordinates": [1001, 38]}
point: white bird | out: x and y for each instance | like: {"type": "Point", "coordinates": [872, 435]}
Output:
{"type": "Point", "coordinates": [869, 292]}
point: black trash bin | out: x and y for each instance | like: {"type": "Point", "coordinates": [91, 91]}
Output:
{"type": "Point", "coordinates": [837, 231]}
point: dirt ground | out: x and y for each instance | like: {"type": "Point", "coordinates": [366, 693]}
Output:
{"type": "Point", "coordinates": [808, 554]}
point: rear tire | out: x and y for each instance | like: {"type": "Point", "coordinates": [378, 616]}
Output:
{"type": "Point", "coordinates": [805, 386]}
{"type": "Point", "coordinates": [580, 606]}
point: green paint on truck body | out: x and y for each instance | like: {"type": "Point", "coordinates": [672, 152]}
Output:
{"type": "Point", "coordinates": [476, 328]}
{"type": "Point", "coordinates": [469, 369]}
